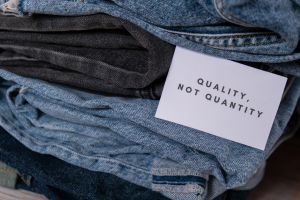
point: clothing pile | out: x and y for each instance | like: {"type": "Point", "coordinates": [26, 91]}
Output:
{"type": "Point", "coordinates": [81, 82]}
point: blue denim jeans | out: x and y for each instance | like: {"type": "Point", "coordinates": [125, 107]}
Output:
{"type": "Point", "coordinates": [233, 195]}
{"type": "Point", "coordinates": [121, 136]}
{"type": "Point", "coordinates": [62, 181]}
{"type": "Point", "coordinates": [260, 31]}
{"type": "Point", "coordinates": [58, 180]}
{"type": "Point", "coordinates": [94, 185]}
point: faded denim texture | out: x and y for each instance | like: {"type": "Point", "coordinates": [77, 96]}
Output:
{"type": "Point", "coordinates": [259, 31]}
{"type": "Point", "coordinates": [58, 180]}
{"type": "Point", "coordinates": [96, 52]}
{"type": "Point", "coordinates": [8, 176]}
{"type": "Point", "coordinates": [121, 136]}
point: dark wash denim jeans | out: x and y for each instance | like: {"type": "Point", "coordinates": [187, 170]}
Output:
{"type": "Point", "coordinates": [233, 195]}
{"type": "Point", "coordinates": [58, 180]}
{"type": "Point", "coordinates": [96, 52]}
{"type": "Point", "coordinates": [30, 67]}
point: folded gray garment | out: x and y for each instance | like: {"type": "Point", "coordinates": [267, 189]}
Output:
{"type": "Point", "coordinates": [95, 52]}
{"type": "Point", "coordinates": [31, 67]}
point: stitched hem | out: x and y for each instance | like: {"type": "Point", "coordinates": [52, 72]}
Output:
{"type": "Point", "coordinates": [9, 170]}
{"type": "Point", "coordinates": [188, 188]}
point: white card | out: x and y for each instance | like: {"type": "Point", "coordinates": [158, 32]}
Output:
{"type": "Point", "coordinates": [243, 100]}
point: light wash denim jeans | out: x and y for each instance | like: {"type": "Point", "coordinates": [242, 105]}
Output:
{"type": "Point", "coordinates": [260, 31]}
{"type": "Point", "coordinates": [121, 136]}
{"type": "Point", "coordinates": [8, 176]}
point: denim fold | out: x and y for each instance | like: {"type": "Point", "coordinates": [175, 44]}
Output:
{"type": "Point", "coordinates": [257, 31]}
{"type": "Point", "coordinates": [30, 67]}
{"type": "Point", "coordinates": [106, 133]}
{"type": "Point", "coordinates": [96, 52]}
{"type": "Point", "coordinates": [58, 180]}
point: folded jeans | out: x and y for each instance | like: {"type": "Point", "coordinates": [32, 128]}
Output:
{"type": "Point", "coordinates": [257, 32]}
{"type": "Point", "coordinates": [96, 52]}
{"type": "Point", "coordinates": [106, 133]}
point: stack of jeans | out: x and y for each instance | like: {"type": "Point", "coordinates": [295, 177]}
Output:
{"type": "Point", "coordinates": [81, 81]}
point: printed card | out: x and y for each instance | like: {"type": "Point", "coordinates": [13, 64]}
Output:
{"type": "Point", "coordinates": [221, 97]}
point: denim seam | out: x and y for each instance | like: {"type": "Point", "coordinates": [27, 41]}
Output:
{"type": "Point", "coordinates": [10, 170]}
{"type": "Point", "coordinates": [232, 14]}
{"type": "Point", "coordinates": [224, 15]}
{"type": "Point", "coordinates": [188, 188]}
{"type": "Point", "coordinates": [234, 36]}
{"type": "Point", "coordinates": [280, 41]}
{"type": "Point", "coordinates": [16, 59]}
{"type": "Point", "coordinates": [248, 44]}
{"type": "Point", "coordinates": [242, 45]}
{"type": "Point", "coordinates": [178, 172]}
{"type": "Point", "coordinates": [194, 151]}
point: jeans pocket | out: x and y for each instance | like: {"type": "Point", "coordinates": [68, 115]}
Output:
{"type": "Point", "coordinates": [265, 43]}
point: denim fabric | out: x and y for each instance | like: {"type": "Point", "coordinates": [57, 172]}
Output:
{"type": "Point", "coordinates": [30, 67]}
{"type": "Point", "coordinates": [237, 195]}
{"type": "Point", "coordinates": [260, 31]}
{"type": "Point", "coordinates": [8, 176]}
{"type": "Point", "coordinates": [234, 195]}
{"type": "Point", "coordinates": [255, 179]}
{"type": "Point", "coordinates": [290, 130]}
{"type": "Point", "coordinates": [121, 136]}
{"type": "Point", "coordinates": [241, 193]}
{"type": "Point", "coordinates": [58, 180]}
{"type": "Point", "coordinates": [97, 52]}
